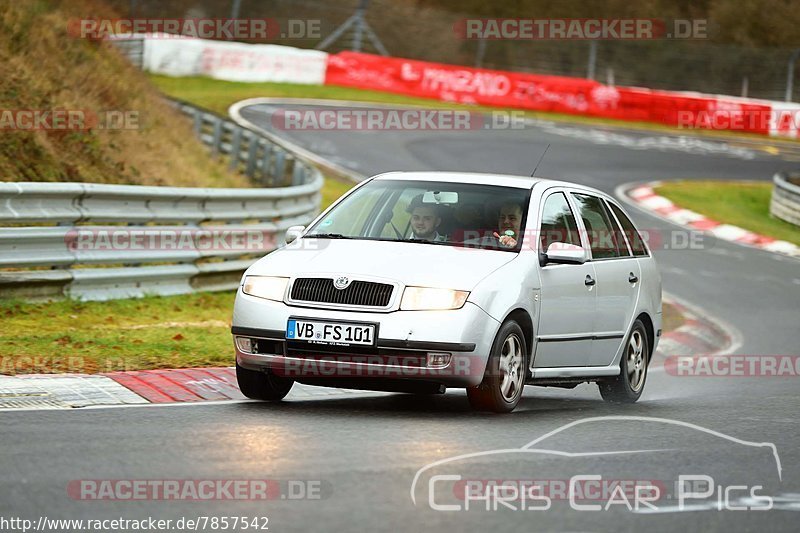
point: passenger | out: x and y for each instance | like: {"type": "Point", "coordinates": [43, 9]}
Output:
{"type": "Point", "coordinates": [508, 221]}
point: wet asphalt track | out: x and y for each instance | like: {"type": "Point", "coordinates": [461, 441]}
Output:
{"type": "Point", "coordinates": [366, 449]}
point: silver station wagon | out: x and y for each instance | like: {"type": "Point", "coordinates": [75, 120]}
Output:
{"type": "Point", "coordinates": [419, 281]}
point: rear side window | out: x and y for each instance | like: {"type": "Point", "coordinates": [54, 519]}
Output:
{"type": "Point", "coordinates": [558, 222]}
{"type": "Point", "coordinates": [634, 237]}
{"type": "Point", "coordinates": [603, 238]}
{"type": "Point", "coordinates": [619, 238]}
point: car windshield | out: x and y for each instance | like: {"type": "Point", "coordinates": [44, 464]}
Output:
{"type": "Point", "coordinates": [429, 212]}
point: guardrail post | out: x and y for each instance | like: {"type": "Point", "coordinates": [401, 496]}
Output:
{"type": "Point", "coordinates": [198, 122]}
{"type": "Point", "coordinates": [215, 148]}
{"type": "Point", "coordinates": [280, 164]}
{"type": "Point", "coordinates": [298, 174]}
{"type": "Point", "coordinates": [267, 176]}
{"type": "Point", "coordinates": [252, 150]}
{"type": "Point", "coordinates": [236, 147]}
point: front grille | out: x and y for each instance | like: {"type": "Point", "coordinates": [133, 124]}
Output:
{"type": "Point", "coordinates": [361, 293]}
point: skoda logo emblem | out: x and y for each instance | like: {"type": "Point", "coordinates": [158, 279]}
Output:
{"type": "Point", "coordinates": [341, 282]}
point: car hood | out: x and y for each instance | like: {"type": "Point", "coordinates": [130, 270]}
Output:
{"type": "Point", "coordinates": [425, 265]}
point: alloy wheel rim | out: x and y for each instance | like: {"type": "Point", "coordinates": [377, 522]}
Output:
{"type": "Point", "coordinates": [511, 368]}
{"type": "Point", "coordinates": [636, 363]}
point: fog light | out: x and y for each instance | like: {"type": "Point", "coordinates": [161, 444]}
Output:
{"type": "Point", "coordinates": [244, 344]}
{"type": "Point", "coordinates": [438, 359]}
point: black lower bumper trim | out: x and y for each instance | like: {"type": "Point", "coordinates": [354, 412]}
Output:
{"type": "Point", "coordinates": [259, 333]}
{"type": "Point", "coordinates": [382, 343]}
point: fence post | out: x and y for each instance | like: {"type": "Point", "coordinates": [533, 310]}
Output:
{"type": "Point", "coordinates": [590, 68]}
{"type": "Point", "coordinates": [790, 75]}
{"type": "Point", "coordinates": [480, 53]}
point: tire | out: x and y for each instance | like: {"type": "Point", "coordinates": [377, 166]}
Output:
{"type": "Point", "coordinates": [262, 385]}
{"type": "Point", "coordinates": [506, 371]}
{"type": "Point", "coordinates": [627, 387]}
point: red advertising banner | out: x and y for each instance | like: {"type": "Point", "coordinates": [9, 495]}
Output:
{"type": "Point", "coordinates": [579, 96]}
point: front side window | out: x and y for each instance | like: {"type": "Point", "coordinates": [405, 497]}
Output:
{"type": "Point", "coordinates": [558, 222]}
{"type": "Point", "coordinates": [427, 212]}
{"type": "Point", "coordinates": [603, 238]}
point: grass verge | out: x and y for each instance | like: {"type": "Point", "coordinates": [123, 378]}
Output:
{"type": "Point", "coordinates": [671, 318]}
{"type": "Point", "coordinates": [743, 204]}
{"type": "Point", "coordinates": [45, 69]}
{"type": "Point", "coordinates": [89, 337]}
{"type": "Point", "coordinates": [333, 189]}
{"type": "Point", "coordinates": [154, 332]}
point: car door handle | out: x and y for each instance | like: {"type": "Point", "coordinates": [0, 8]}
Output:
{"type": "Point", "coordinates": [589, 281]}
{"type": "Point", "coordinates": [632, 278]}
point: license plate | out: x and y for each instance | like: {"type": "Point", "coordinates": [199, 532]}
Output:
{"type": "Point", "coordinates": [336, 333]}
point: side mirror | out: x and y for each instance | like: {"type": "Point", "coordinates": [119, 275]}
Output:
{"type": "Point", "coordinates": [563, 253]}
{"type": "Point", "coordinates": [293, 233]}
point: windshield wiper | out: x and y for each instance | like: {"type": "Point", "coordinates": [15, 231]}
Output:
{"type": "Point", "coordinates": [411, 239]}
{"type": "Point", "coordinates": [328, 236]}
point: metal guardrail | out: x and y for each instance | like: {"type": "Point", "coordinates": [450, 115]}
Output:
{"type": "Point", "coordinates": [261, 158]}
{"type": "Point", "coordinates": [97, 242]}
{"type": "Point", "coordinates": [785, 203]}
{"type": "Point", "coordinates": [149, 240]}
{"type": "Point", "coordinates": [131, 47]}
{"type": "Point", "coordinates": [176, 228]}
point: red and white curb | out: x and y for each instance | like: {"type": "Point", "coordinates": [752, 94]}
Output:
{"type": "Point", "coordinates": [645, 197]}
{"type": "Point", "coordinates": [142, 387]}
{"type": "Point", "coordinates": [697, 335]}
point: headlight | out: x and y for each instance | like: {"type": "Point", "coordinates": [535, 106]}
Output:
{"type": "Point", "coordinates": [427, 299]}
{"type": "Point", "coordinates": [267, 287]}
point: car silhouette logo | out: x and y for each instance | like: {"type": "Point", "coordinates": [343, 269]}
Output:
{"type": "Point", "coordinates": [342, 282]}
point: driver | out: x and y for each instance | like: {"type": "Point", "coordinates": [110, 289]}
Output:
{"type": "Point", "coordinates": [425, 220]}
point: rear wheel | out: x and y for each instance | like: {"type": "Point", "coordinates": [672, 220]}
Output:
{"type": "Point", "coordinates": [504, 379]}
{"type": "Point", "coordinates": [627, 387]}
{"type": "Point", "coordinates": [262, 385]}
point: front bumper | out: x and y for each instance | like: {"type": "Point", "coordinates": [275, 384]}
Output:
{"type": "Point", "coordinates": [406, 340]}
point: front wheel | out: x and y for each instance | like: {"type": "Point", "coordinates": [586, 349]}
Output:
{"type": "Point", "coordinates": [627, 387]}
{"type": "Point", "coordinates": [262, 385]}
{"type": "Point", "coordinates": [504, 379]}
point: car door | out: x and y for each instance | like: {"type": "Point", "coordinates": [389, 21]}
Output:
{"type": "Point", "coordinates": [617, 274]}
{"type": "Point", "coordinates": [567, 307]}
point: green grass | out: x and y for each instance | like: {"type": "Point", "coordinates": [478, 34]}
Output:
{"type": "Point", "coordinates": [332, 190]}
{"type": "Point", "coordinates": [743, 204]}
{"type": "Point", "coordinates": [671, 318]}
{"type": "Point", "coordinates": [218, 95]}
{"type": "Point", "coordinates": [90, 337]}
